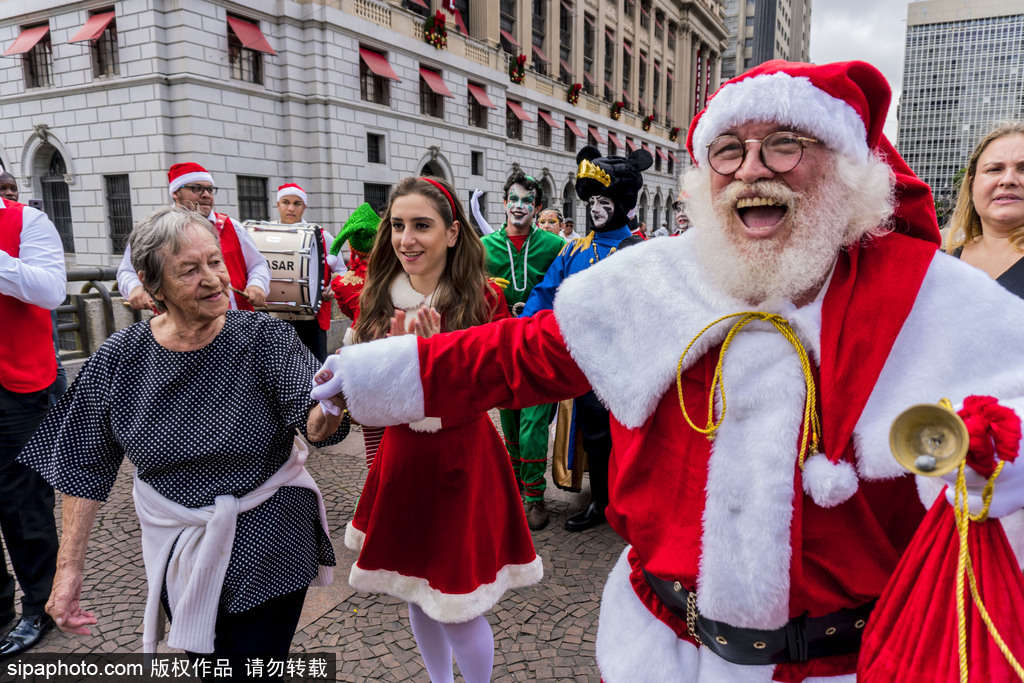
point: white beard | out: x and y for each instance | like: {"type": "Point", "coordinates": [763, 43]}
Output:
{"type": "Point", "coordinates": [787, 267]}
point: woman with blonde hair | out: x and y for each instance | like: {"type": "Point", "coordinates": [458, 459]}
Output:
{"type": "Point", "coordinates": [439, 523]}
{"type": "Point", "coordinates": [987, 228]}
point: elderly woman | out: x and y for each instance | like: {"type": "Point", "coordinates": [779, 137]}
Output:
{"type": "Point", "coordinates": [988, 222]}
{"type": "Point", "coordinates": [206, 402]}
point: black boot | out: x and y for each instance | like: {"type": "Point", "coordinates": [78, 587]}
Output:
{"type": "Point", "coordinates": [591, 516]}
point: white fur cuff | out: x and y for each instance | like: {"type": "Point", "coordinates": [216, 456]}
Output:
{"type": "Point", "coordinates": [381, 381]}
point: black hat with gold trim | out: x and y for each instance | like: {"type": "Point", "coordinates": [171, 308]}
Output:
{"type": "Point", "coordinates": [615, 177]}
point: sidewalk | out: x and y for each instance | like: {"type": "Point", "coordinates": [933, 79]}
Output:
{"type": "Point", "coordinates": [542, 633]}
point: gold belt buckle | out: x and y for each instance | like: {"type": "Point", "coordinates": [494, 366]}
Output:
{"type": "Point", "coordinates": [691, 616]}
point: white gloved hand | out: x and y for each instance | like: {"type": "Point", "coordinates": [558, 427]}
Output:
{"type": "Point", "coordinates": [1007, 495]}
{"type": "Point", "coordinates": [327, 382]}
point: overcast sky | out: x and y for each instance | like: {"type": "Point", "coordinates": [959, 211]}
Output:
{"type": "Point", "coordinates": [870, 30]}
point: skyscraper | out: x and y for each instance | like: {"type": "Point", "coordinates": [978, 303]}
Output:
{"type": "Point", "coordinates": [760, 30]}
{"type": "Point", "coordinates": [963, 72]}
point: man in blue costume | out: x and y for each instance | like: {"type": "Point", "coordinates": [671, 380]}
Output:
{"type": "Point", "coordinates": [610, 186]}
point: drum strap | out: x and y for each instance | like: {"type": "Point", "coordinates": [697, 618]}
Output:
{"type": "Point", "coordinates": [323, 316]}
{"type": "Point", "coordinates": [231, 248]}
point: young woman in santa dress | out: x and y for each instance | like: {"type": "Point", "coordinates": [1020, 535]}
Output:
{"type": "Point", "coordinates": [439, 523]}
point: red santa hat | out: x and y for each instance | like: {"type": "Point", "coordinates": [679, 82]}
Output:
{"type": "Point", "coordinates": [842, 104]}
{"type": "Point", "coordinates": [291, 190]}
{"type": "Point", "coordinates": [183, 174]}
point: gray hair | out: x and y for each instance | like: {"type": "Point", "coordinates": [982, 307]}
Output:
{"type": "Point", "coordinates": [164, 228]}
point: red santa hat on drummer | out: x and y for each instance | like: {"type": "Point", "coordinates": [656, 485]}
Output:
{"type": "Point", "coordinates": [183, 174]}
{"type": "Point", "coordinates": [292, 190]}
{"type": "Point", "coordinates": [843, 105]}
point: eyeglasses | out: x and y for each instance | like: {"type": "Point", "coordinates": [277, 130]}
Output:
{"type": "Point", "coordinates": [200, 189]}
{"type": "Point", "coordinates": [780, 152]}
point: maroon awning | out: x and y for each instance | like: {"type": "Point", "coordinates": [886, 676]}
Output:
{"type": "Point", "coordinates": [435, 82]}
{"type": "Point", "coordinates": [574, 128]}
{"type": "Point", "coordinates": [628, 48]}
{"type": "Point", "coordinates": [630, 145]}
{"type": "Point", "coordinates": [480, 95]}
{"type": "Point", "coordinates": [661, 154]}
{"type": "Point", "coordinates": [378, 64]}
{"type": "Point", "coordinates": [539, 54]}
{"type": "Point", "coordinates": [508, 36]}
{"type": "Point", "coordinates": [27, 40]}
{"type": "Point", "coordinates": [673, 157]}
{"type": "Point", "coordinates": [549, 119]}
{"type": "Point", "coordinates": [597, 136]}
{"type": "Point", "coordinates": [589, 79]}
{"type": "Point", "coordinates": [94, 27]}
{"type": "Point", "coordinates": [518, 110]}
{"type": "Point", "coordinates": [615, 138]}
{"type": "Point", "coordinates": [250, 35]}
{"type": "Point", "coordinates": [626, 98]}
{"type": "Point", "coordinates": [568, 69]}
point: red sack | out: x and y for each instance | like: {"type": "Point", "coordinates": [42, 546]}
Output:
{"type": "Point", "coordinates": [912, 634]}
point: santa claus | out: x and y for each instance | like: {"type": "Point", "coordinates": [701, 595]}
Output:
{"type": "Point", "coordinates": [776, 341]}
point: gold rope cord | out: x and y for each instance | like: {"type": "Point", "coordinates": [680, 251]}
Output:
{"type": "Point", "coordinates": [964, 569]}
{"type": "Point", "coordinates": [811, 433]}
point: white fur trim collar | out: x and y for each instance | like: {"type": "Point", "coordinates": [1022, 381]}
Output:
{"type": "Point", "coordinates": [405, 297]}
{"type": "Point", "coordinates": [790, 101]}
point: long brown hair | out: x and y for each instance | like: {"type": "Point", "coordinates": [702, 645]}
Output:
{"type": "Point", "coordinates": [459, 297]}
{"type": "Point", "coordinates": [965, 226]}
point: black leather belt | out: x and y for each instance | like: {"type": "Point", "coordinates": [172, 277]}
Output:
{"type": "Point", "coordinates": [801, 639]}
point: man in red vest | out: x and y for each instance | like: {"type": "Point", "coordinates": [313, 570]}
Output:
{"type": "Point", "coordinates": [192, 186]}
{"type": "Point", "coordinates": [32, 283]}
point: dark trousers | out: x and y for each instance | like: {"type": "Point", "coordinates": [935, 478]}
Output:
{"type": "Point", "coordinates": [263, 632]}
{"type": "Point", "coordinates": [26, 507]}
{"type": "Point", "coordinates": [314, 338]}
{"type": "Point", "coordinates": [595, 427]}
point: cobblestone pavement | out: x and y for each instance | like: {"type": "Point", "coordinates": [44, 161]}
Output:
{"type": "Point", "coordinates": [542, 633]}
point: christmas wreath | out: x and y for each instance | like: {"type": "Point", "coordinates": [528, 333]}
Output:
{"type": "Point", "coordinates": [573, 94]}
{"type": "Point", "coordinates": [435, 32]}
{"type": "Point", "coordinates": [674, 134]}
{"type": "Point", "coordinates": [617, 109]}
{"type": "Point", "coordinates": [517, 69]}
{"type": "Point", "coordinates": [648, 120]}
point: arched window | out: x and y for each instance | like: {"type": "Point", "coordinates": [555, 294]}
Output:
{"type": "Point", "coordinates": [57, 200]}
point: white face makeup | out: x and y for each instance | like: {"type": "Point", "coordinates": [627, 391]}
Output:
{"type": "Point", "coordinates": [520, 208]}
{"type": "Point", "coordinates": [601, 210]}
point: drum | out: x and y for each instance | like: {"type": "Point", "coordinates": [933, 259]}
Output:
{"type": "Point", "coordinates": [296, 258]}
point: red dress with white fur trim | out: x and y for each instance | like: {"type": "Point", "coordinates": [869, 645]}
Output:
{"type": "Point", "coordinates": [440, 522]}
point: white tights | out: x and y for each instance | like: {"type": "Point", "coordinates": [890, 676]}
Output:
{"type": "Point", "coordinates": [472, 642]}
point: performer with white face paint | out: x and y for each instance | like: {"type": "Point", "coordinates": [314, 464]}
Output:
{"type": "Point", "coordinates": [809, 299]}
{"type": "Point", "coordinates": [520, 253]}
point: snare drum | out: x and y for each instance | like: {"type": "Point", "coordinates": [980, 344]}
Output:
{"type": "Point", "coordinates": [296, 258]}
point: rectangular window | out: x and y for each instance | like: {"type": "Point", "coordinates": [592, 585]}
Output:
{"type": "Point", "coordinates": [419, 7]}
{"type": "Point", "coordinates": [372, 86]}
{"type": "Point", "coordinates": [513, 126]}
{"type": "Point", "coordinates": [476, 163]}
{"type": "Point", "coordinates": [507, 22]}
{"type": "Point", "coordinates": [627, 65]}
{"type": "Point", "coordinates": [246, 63]}
{"type": "Point", "coordinates": [613, 150]}
{"type": "Point", "coordinates": [671, 36]}
{"type": "Point", "coordinates": [543, 132]}
{"type": "Point", "coordinates": [641, 85]}
{"type": "Point", "coordinates": [375, 148]}
{"type": "Point", "coordinates": [253, 201]}
{"type": "Point", "coordinates": [540, 11]}
{"type": "Point", "coordinates": [478, 103]}
{"type": "Point", "coordinates": [609, 65]}
{"type": "Point", "coordinates": [657, 160]}
{"type": "Point", "coordinates": [565, 26]}
{"type": "Point", "coordinates": [570, 136]}
{"type": "Point", "coordinates": [589, 47]}
{"type": "Point", "coordinates": [630, 8]}
{"type": "Point", "coordinates": [431, 103]}
{"type": "Point", "coordinates": [119, 211]}
{"type": "Point", "coordinates": [38, 61]}
{"type": "Point", "coordinates": [376, 195]}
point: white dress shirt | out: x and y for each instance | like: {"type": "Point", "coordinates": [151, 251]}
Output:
{"type": "Point", "coordinates": [37, 275]}
{"type": "Point", "coordinates": [256, 264]}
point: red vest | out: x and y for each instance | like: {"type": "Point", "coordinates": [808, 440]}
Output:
{"type": "Point", "coordinates": [234, 259]}
{"type": "Point", "coordinates": [27, 356]}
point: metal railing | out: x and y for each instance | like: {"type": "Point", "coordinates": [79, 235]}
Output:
{"type": "Point", "coordinates": [72, 317]}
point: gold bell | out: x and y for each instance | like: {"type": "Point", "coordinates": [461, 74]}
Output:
{"type": "Point", "coordinates": [929, 439]}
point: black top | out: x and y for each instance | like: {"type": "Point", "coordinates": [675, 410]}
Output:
{"type": "Point", "coordinates": [197, 425]}
{"type": "Point", "coordinates": [1012, 278]}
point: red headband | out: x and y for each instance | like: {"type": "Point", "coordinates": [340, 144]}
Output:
{"type": "Point", "coordinates": [451, 202]}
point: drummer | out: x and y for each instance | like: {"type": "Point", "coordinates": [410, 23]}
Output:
{"type": "Point", "coordinates": [192, 187]}
{"type": "Point", "coordinates": [312, 330]}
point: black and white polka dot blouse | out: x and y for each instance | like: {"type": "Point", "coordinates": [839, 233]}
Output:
{"type": "Point", "coordinates": [197, 425]}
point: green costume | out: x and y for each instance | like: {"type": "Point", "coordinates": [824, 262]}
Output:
{"type": "Point", "coordinates": [526, 430]}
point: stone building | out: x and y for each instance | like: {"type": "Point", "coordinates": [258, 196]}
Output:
{"type": "Point", "coordinates": [963, 72]}
{"type": "Point", "coordinates": [345, 97]}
